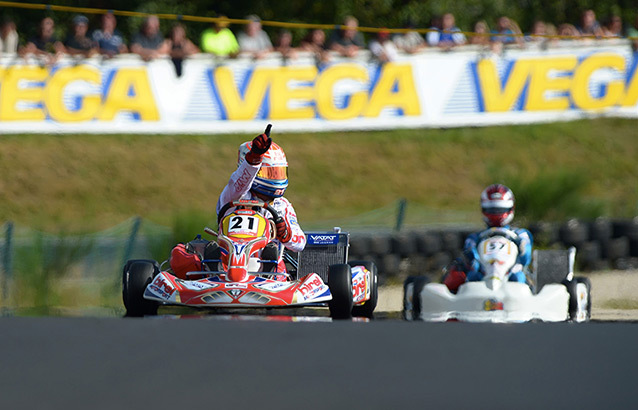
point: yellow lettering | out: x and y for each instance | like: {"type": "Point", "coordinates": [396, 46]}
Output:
{"type": "Point", "coordinates": [580, 90]}
{"type": "Point", "coordinates": [540, 83]}
{"type": "Point", "coordinates": [631, 91]}
{"type": "Point", "coordinates": [236, 107]}
{"type": "Point", "coordinates": [118, 99]}
{"type": "Point", "coordinates": [496, 99]}
{"type": "Point", "coordinates": [325, 96]}
{"type": "Point", "coordinates": [281, 94]}
{"type": "Point", "coordinates": [54, 94]}
{"type": "Point", "coordinates": [13, 91]}
{"type": "Point", "coordinates": [404, 98]}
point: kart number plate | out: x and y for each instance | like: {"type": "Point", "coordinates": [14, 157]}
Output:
{"type": "Point", "coordinates": [241, 224]}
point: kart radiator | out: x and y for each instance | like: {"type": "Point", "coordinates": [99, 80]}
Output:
{"type": "Point", "coordinates": [322, 250]}
{"type": "Point", "coordinates": [552, 266]}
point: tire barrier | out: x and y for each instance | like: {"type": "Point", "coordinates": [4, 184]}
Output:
{"type": "Point", "coordinates": [601, 244]}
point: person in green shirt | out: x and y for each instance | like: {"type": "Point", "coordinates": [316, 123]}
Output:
{"type": "Point", "coordinates": [219, 40]}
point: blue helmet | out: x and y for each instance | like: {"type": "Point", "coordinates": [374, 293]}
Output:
{"type": "Point", "coordinates": [272, 178]}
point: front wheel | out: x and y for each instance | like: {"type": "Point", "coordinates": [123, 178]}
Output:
{"type": "Point", "coordinates": [340, 284]}
{"type": "Point", "coordinates": [367, 309]}
{"type": "Point", "coordinates": [579, 307]}
{"type": "Point", "coordinates": [136, 276]}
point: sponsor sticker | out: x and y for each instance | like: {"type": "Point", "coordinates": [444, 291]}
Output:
{"type": "Point", "coordinates": [275, 286]}
{"type": "Point", "coordinates": [492, 304]}
{"type": "Point", "coordinates": [312, 287]}
{"type": "Point", "coordinates": [195, 285]}
{"type": "Point", "coordinates": [359, 284]}
{"type": "Point", "coordinates": [161, 287]}
{"type": "Point", "coordinates": [236, 286]}
{"type": "Point", "coordinates": [323, 239]}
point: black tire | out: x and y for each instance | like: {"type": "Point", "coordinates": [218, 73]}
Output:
{"type": "Point", "coordinates": [418, 284]}
{"type": "Point", "coordinates": [406, 304]}
{"type": "Point", "coordinates": [340, 284]}
{"type": "Point", "coordinates": [572, 306]}
{"type": "Point", "coordinates": [136, 276]}
{"type": "Point", "coordinates": [587, 282]}
{"type": "Point", "coordinates": [367, 309]}
{"type": "Point", "coordinates": [573, 232]}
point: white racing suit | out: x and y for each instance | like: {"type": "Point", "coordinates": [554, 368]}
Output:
{"type": "Point", "coordinates": [238, 187]}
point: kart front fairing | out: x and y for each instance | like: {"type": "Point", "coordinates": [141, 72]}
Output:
{"type": "Point", "coordinates": [216, 291]}
{"type": "Point", "coordinates": [511, 302]}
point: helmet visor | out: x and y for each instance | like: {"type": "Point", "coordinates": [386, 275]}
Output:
{"type": "Point", "coordinates": [273, 172]}
{"type": "Point", "coordinates": [496, 210]}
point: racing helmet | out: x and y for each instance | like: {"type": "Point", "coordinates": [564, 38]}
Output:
{"type": "Point", "coordinates": [272, 178]}
{"type": "Point", "coordinates": [497, 205]}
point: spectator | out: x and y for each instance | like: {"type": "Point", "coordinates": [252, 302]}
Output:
{"type": "Point", "coordinates": [382, 48]}
{"type": "Point", "coordinates": [283, 45]}
{"type": "Point", "coordinates": [589, 26]}
{"type": "Point", "coordinates": [481, 31]}
{"type": "Point", "coordinates": [315, 42]}
{"type": "Point", "coordinates": [77, 42]}
{"type": "Point", "coordinates": [505, 28]}
{"type": "Point", "coordinates": [149, 43]}
{"type": "Point", "coordinates": [613, 27]}
{"type": "Point", "coordinates": [409, 42]}
{"type": "Point", "coordinates": [348, 40]}
{"type": "Point", "coordinates": [448, 35]}
{"type": "Point", "coordinates": [180, 47]}
{"type": "Point", "coordinates": [8, 37]}
{"type": "Point", "coordinates": [45, 43]}
{"type": "Point", "coordinates": [568, 31]}
{"type": "Point", "coordinates": [219, 40]}
{"type": "Point", "coordinates": [253, 40]}
{"type": "Point", "coordinates": [109, 40]}
{"type": "Point", "coordinates": [538, 31]}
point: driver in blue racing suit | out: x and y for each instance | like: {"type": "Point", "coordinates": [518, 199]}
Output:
{"type": "Point", "coordinates": [262, 174]}
{"type": "Point", "coordinates": [497, 205]}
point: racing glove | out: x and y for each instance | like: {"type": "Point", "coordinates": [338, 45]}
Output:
{"type": "Point", "coordinates": [284, 232]}
{"type": "Point", "coordinates": [261, 144]}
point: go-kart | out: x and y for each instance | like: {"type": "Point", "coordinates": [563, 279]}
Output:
{"type": "Point", "coordinates": [318, 276]}
{"type": "Point", "coordinates": [552, 293]}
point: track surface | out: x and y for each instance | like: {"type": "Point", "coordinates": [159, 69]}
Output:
{"type": "Point", "coordinates": [110, 363]}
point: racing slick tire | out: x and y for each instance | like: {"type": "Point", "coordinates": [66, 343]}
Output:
{"type": "Point", "coordinates": [340, 284]}
{"type": "Point", "coordinates": [367, 309]}
{"type": "Point", "coordinates": [136, 276]}
{"type": "Point", "coordinates": [417, 286]}
{"type": "Point", "coordinates": [406, 313]}
{"type": "Point", "coordinates": [587, 283]}
{"type": "Point", "coordinates": [572, 289]}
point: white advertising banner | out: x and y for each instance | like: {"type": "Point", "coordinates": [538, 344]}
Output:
{"type": "Point", "coordinates": [431, 89]}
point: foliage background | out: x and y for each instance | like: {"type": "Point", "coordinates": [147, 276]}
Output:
{"type": "Point", "coordinates": [371, 13]}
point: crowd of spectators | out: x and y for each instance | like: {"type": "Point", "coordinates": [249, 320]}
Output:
{"type": "Point", "coordinates": [253, 42]}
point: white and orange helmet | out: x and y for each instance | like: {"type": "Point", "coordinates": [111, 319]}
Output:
{"type": "Point", "coordinates": [497, 205]}
{"type": "Point", "coordinates": [272, 178]}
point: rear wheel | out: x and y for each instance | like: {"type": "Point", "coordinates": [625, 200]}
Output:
{"type": "Point", "coordinates": [581, 280]}
{"type": "Point", "coordinates": [136, 276]}
{"type": "Point", "coordinates": [340, 284]}
{"type": "Point", "coordinates": [417, 287]}
{"type": "Point", "coordinates": [575, 289]}
{"type": "Point", "coordinates": [367, 309]}
{"type": "Point", "coordinates": [407, 298]}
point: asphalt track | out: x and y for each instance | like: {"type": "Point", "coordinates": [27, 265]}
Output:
{"type": "Point", "coordinates": [165, 362]}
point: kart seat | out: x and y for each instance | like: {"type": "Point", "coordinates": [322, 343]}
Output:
{"type": "Point", "coordinates": [322, 250]}
{"type": "Point", "coordinates": [552, 266]}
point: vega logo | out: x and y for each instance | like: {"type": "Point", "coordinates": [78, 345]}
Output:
{"type": "Point", "coordinates": [323, 239]}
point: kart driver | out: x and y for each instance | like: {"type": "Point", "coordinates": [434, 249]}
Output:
{"type": "Point", "coordinates": [497, 205]}
{"type": "Point", "coordinates": [262, 174]}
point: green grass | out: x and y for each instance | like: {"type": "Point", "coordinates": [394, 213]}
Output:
{"type": "Point", "coordinates": [81, 183]}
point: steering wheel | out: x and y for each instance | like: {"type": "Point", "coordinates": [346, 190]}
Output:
{"type": "Point", "coordinates": [506, 233]}
{"type": "Point", "coordinates": [245, 204]}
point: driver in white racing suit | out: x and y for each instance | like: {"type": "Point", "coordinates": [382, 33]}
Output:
{"type": "Point", "coordinates": [262, 174]}
{"type": "Point", "coordinates": [497, 205]}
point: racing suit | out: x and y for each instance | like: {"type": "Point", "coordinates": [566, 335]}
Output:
{"type": "Point", "coordinates": [238, 187]}
{"type": "Point", "coordinates": [524, 242]}
{"type": "Point", "coordinates": [468, 269]}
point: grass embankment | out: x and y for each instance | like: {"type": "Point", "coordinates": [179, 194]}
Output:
{"type": "Point", "coordinates": [91, 182]}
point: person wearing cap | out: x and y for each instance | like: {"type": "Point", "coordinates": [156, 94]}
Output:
{"type": "Point", "coordinates": [109, 39]}
{"type": "Point", "coordinates": [77, 43]}
{"type": "Point", "coordinates": [149, 43]}
{"type": "Point", "coordinates": [253, 40]}
{"type": "Point", "coordinates": [219, 40]}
